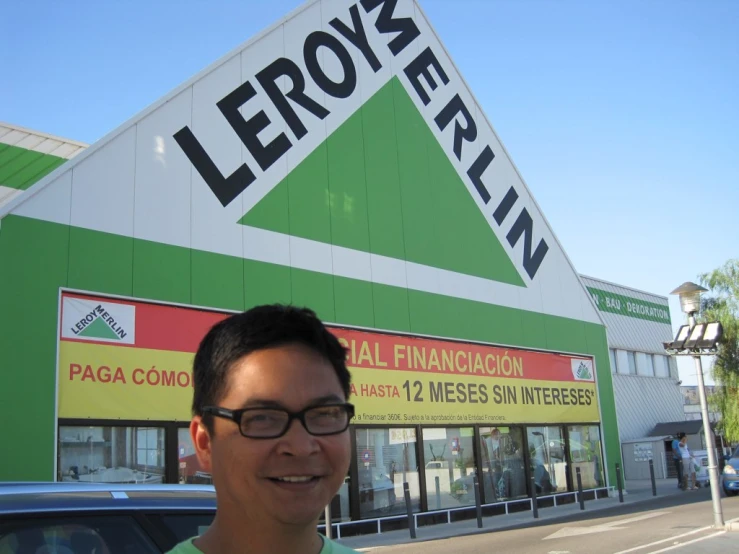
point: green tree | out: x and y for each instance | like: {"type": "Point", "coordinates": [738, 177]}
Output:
{"type": "Point", "coordinates": [721, 303]}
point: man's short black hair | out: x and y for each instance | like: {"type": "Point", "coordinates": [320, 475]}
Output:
{"type": "Point", "coordinates": [680, 435]}
{"type": "Point", "coordinates": [259, 328]}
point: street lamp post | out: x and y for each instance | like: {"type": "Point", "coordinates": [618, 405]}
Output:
{"type": "Point", "coordinates": [694, 338]}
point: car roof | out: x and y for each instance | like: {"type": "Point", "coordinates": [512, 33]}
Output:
{"type": "Point", "coordinates": [24, 497]}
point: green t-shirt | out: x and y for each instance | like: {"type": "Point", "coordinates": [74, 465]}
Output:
{"type": "Point", "coordinates": [329, 547]}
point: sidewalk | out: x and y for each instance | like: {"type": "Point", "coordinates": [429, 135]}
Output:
{"type": "Point", "coordinates": [636, 491]}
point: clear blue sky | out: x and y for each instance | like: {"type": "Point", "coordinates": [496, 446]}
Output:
{"type": "Point", "coordinates": [622, 115]}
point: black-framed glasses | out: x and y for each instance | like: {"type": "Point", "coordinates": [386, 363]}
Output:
{"type": "Point", "coordinates": [271, 423]}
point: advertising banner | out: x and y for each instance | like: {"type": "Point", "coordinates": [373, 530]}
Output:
{"type": "Point", "coordinates": [121, 359]}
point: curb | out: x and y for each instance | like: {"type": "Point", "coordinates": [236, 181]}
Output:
{"type": "Point", "coordinates": [547, 520]}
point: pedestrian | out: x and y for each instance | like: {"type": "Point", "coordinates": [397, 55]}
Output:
{"type": "Point", "coordinates": [677, 458]}
{"type": "Point", "coordinates": [688, 464]}
{"type": "Point", "coordinates": [270, 424]}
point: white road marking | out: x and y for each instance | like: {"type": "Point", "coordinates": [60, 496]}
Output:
{"type": "Point", "coordinates": [687, 543]}
{"type": "Point", "coordinates": [602, 528]}
{"type": "Point", "coordinates": [655, 543]}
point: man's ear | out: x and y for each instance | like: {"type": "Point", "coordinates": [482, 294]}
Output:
{"type": "Point", "coordinates": [201, 439]}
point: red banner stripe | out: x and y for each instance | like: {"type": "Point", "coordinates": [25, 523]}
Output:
{"type": "Point", "coordinates": [180, 329]}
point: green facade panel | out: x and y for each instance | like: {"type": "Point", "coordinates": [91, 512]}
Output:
{"type": "Point", "coordinates": [34, 259]}
{"type": "Point", "coordinates": [217, 281]}
{"type": "Point", "coordinates": [308, 197]}
{"type": "Point", "coordinates": [392, 310]}
{"type": "Point", "coordinates": [161, 271]}
{"type": "Point", "coordinates": [266, 284]}
{"type": "Point", "coordinates": [315, 290]}
{"type": "Point", "coordinates": [384, 198]}
{"type": "Point", "coordinates": [100, 261]}
{"type": "Point", "coordinates": [347, 188]}
{"type": "Point", "coordinates": [354, 302]}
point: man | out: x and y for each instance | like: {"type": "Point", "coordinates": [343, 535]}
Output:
{"type": "Point", "coordinates": [688, 464]}
{"type": "Point", "coordinates": [677, 458]}
{"type": "Point", "coordinates": [270, 423]}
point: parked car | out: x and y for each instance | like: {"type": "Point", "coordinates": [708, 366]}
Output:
{"type": "Point", "coordinates": [702, 477]}
{"type": "Point", "coordinates": [102, 518]}
{"type": "Point", "coordinates": [730, 475]}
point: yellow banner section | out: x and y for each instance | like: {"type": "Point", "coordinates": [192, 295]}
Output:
{"type": "Point", "coordinates": [114, 382]}
{"type": "Point", "coordinates": [405, 397]}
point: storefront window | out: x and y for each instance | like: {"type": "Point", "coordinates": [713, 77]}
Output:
{"type": "Point", "coordinates": [503, 467]}
{"type": "Point", "coordinates": [386, 459]}
{"type": "Point", "coordinates": [547, 459]}
{"type": "Point", "coordinates": [585, 453]}
{"type": "Point", "coordinates": [450, 467]}
{"type": "Point", "coordinates": [190, 471]}
{"type": "Point", "coordinates": [111, 454]}
{"type": "Point", "coordinates": [339, 504]}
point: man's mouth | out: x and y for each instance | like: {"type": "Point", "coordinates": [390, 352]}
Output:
{"type": "Point", "coordinates": [296, 479]}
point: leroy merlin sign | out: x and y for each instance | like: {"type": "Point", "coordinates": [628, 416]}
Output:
{"type": "Point", "coordinates": [338, 54]}
{"type": "Point", "coordinates": [632, 307]}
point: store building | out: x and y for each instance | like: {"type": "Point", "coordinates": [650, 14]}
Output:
{"type": "Point", "coordinates": [365, 183]}
{"type": "Point", "coordinates": [645, 380]}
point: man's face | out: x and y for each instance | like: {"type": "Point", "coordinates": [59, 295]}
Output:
{"type": "Point", "coordinates": [249, 474]}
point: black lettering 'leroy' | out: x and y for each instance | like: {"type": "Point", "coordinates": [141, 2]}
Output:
{"type": "Point", "coordinates": [357, 36]}
{"type": "Point", "coordinates": [282, 67]}
{"type": "Point", "coordinates": [248, 131]}
{"type": "Point", "coordinates": [341, 89]}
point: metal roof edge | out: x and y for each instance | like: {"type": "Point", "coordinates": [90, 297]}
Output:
{"type": "Point", "coordinates": [665, 298]}
{"type": "Point", "coordinates": [42, 134]}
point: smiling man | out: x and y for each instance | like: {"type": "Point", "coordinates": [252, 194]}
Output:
{"type": "Point", "coordinates": [270, 423]}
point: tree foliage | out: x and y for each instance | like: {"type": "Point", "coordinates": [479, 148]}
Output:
{"type": "Point", "coordinates": [721, 303]}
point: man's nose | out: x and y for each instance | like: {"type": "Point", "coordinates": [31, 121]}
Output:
{"type": "Point", "coordinates": [297, 441]}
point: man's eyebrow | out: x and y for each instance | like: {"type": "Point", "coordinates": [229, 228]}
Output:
{"type": "Point", "coordinates": [328, 399]}
{"type": "Point", "coordinates": [262, 403]}
{"type": "Point", "coordinates": [266, 403]}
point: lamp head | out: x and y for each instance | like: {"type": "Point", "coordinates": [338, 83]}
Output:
{"type": "Point", "coordinates": [690, 296]}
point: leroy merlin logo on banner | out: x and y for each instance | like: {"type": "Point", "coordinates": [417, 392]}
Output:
{"type": "Point", "coordinates": [98, 321]}
{"type": "Point", "coordinates": [582, 370]}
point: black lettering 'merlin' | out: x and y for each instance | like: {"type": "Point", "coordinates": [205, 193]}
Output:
{"type": "Point", "coordinates": [449, 112]}
{"type": "Point", "coordinates": [385, 24]}
{"type": "Point", "coordinates": [524, 226]}
{"type": "Point", "coordinates": [420, 67]}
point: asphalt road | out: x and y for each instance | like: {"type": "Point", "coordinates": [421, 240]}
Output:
{"type": "Point", "coordinates": [681, 524]}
